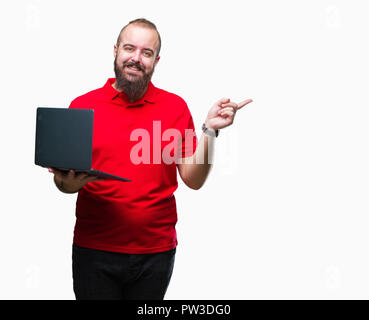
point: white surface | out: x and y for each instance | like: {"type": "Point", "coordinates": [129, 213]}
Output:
{"type": "Point", "coordinates": [284, 213]}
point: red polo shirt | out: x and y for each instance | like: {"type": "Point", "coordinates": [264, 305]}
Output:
{"type": "Point", "coordinates": [130, 140]}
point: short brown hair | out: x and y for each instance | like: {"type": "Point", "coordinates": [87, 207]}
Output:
{"type": "Point", "coordinates": [145, 23]}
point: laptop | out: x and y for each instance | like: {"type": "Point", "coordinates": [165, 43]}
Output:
{"type": "Point", "coordinates": [64, 141]}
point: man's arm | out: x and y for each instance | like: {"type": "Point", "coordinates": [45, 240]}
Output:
{"type": "Point", "coordinates": [195, 169]}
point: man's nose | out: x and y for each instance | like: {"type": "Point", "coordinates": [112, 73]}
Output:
{"type": "Point", "coordinates": [136, 56]}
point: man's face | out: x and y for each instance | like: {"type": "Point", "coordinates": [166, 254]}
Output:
{"type": "Point", "coordinates": [135, 60]}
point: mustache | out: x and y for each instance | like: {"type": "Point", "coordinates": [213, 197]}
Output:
{"type": "Point", "coordinates": [134, 64]}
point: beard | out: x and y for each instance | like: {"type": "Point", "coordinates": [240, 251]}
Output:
{"type": "Point", "coordinates": [133, 88]}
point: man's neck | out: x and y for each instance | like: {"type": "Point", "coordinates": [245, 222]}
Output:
{"type": "Point", "coordinates": [115, 87]}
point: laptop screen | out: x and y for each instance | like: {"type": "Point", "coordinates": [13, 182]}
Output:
{"type": "Point", "coordinates": [64, 138]}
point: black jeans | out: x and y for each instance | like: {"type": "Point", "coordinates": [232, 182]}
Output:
{"type": "Point", "coordinates": [104, 275]}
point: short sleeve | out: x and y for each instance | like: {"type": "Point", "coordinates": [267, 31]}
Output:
{"type": "Point", "coordinates": [188, 133]}
{"type": "Point", "coordinates": [74, 104]}
{"type": "Point", "coordinates": [189, 141]}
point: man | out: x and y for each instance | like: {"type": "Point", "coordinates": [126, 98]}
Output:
{"type": "Point", "coordinates": [124, 239]}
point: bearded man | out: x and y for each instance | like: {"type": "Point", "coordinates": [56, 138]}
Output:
{"type": "Point", "coordinates": [125, 240]}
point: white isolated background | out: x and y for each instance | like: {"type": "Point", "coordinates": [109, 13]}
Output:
{"type": "Point", "coordinates": [284, 213]}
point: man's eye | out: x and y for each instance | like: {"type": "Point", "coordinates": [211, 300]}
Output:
{"type": "Point", "coordinates": [147, 54]}
{"type": "Point", "coordinates": [128, 48]}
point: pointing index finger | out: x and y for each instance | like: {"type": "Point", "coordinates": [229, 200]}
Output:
{"type": "Point", "coordinates": [243, 103]}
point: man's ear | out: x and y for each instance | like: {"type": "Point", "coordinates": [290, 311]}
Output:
{"type": "Point", "coordinates": [156, 60]}
{"type": "Point", "coordinates": [115, 51]}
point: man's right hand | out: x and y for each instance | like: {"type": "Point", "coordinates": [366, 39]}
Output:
{"type": "Point", "coordinates": [72, 182]}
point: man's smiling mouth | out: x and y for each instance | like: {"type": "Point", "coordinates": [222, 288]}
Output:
{"type": "Point", "coordinates": [134, 67]}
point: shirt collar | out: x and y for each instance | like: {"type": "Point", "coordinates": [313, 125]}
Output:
{"type": "Point", "coordinates": [149, 96]}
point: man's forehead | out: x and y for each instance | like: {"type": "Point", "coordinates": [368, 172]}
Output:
{"type": "Point", "coordinates": [140, 35]}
